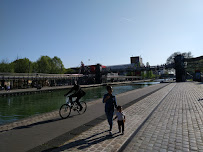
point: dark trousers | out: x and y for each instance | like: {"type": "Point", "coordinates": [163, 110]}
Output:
{"type": "Point", "coordinates": [77, 99]}
{"type": "Point", "coordinates": [120, 124]}
{"type": "Point", "coordinates": [109, 115]}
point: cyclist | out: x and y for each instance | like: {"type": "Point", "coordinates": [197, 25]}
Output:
{"type": "Point", "coordinates": [79, 93]}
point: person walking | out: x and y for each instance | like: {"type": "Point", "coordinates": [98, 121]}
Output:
{"type": "Point", "coordinates": [110, 102]}
{"type": "Point", "coordinates": [120, 119]}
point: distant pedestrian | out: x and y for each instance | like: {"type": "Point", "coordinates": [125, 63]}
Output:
{"type": "Point", "coordinates": [120, 119]}
{"type": "Point", "coordinates": [110, 102]}
{"type": "Point", "coordinates": [8, 87]}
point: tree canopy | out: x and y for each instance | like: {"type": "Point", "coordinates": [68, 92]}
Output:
{"type": "Point", "coordinates": [170, 59]}
{"type": "Point", "coordinates": [44, 64]}
{"type": "Point", "coordinates": [5, 66]}
{"type": "Point", "coordinates": [191, 66]}
{"type": "Point", "coordinates": [21, 65]}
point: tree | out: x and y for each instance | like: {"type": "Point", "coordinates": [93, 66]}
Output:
{"type": "Point", "coordinates": [34, 67]}
{"type": "Point", "coordinates": [5, 66]}
{"type": "Point", "coordinates": [44, 64]}
{"type": "Point", "coordinates": [69, 71]}
{"type": "Point", "coordinates": [22, 65]}
{"type": "Point", "coordinates": [57, 66]}
{"type": "Point", "coordinates": [147, 65]}
{"type": "Point", "coordinates": [194, 65]}
{"type": "Point", "coordinates": [170, 59]}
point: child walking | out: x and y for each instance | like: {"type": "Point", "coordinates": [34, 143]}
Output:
{"type": "Point", "coordinates": [121, 119]}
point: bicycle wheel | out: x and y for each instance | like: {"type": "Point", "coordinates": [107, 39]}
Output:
{"type": "Point", "coordinates": [84, 107]}
{"type": "Point", "coordinates": [64, 111]}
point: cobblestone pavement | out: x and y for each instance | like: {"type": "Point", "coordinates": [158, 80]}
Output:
{"type": "Point", "coordinates": [97, 138]}
{"type": "Point", "coordinates": [176, 125]}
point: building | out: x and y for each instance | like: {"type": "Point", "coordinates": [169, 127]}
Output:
{"type": "Point", "coordinates": [124, 69]}
{"type": "Point", "coordinates": [136, 60]}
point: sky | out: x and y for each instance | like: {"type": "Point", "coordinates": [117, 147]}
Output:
{"type": "Point", "coordinates": [100, 31]}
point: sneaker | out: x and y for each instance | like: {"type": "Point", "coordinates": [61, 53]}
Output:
{"type": "Point", "coordinates": [110, 133]}
{"type": "Point", "coordinates": [122, 133]}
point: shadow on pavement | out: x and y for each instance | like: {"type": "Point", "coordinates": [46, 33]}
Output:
{"type": "Point", "coordinates": [44, 122]}
{"type": "Point", "coordinates": [38, 123]}
{"type": "Point", "coordinates": [82, 144]}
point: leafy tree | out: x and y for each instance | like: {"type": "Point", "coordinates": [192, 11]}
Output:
{"type": "Point", "coordinates": [57, 66]}
{"type": "Point", "coordinates": [44, 64]}
{"type": "Point", "coordinates": [170, 59]}
{"type": "Point", "coordinates": [69, 71]}
{"type": "Point", "coordinates": [5, 66]}
{"type": "Point", "coordinates": [143, 75]}
{"type": "Point", "coordinates": [194, 65]}
{"type": "Point", "coordinates": [34, 67]}
{"type": "Point", "coordinates": [22, 65]}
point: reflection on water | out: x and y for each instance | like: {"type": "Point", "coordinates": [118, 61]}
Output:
{"type": "Point", "coordinates": [18, 107]}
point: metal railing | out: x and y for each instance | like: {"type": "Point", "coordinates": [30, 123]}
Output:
{"type": "Point", "coordinates": [30, 76]}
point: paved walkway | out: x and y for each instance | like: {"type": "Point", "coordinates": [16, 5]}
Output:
{"type": "Point", "coordinates": [177, 124]}
{"type": "Point", "coordinates": [97, 138]}
{"type": "Point", "coordinates": [49, 130]}
{"type": "Point", "coordinates": [170, 119]}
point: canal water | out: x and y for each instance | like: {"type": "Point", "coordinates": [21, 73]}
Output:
{"type": "Point", "coordinates": [18, 107]}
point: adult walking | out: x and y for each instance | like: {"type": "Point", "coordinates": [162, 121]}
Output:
{"type": "Point", "coordinates": [110, 102]}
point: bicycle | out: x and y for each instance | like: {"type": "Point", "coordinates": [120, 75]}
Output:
{"type": "Point", "coordinates": [65, 109]}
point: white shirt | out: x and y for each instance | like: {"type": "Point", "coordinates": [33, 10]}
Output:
{"type": "Point", "coordinates": [120, 116]}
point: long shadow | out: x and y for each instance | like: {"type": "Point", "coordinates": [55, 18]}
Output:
{"type": "Point", "coordinates": [84, 143]}
{"type": "Point", "coordinates": [39, 123]}
{"type": "Point", "coordinates": [44, 122]}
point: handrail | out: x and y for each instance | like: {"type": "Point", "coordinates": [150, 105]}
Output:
{"type": "Point", "coordinates": [37, 76]}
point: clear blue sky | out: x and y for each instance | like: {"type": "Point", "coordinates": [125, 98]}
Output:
{"type": "Point", "coordinates": [100, 31]}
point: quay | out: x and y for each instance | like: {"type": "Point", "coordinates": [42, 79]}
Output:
{"type": "Point", "coordinates": [161, 117]}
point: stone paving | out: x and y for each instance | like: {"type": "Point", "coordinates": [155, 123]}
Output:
{"type": "Point", "coordinates": [97, 138]}
{"type": "Point", "coordinates": [176, 125]}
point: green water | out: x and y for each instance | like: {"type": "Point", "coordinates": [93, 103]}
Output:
{"type": "Point", "coordinates": [19, 107]}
